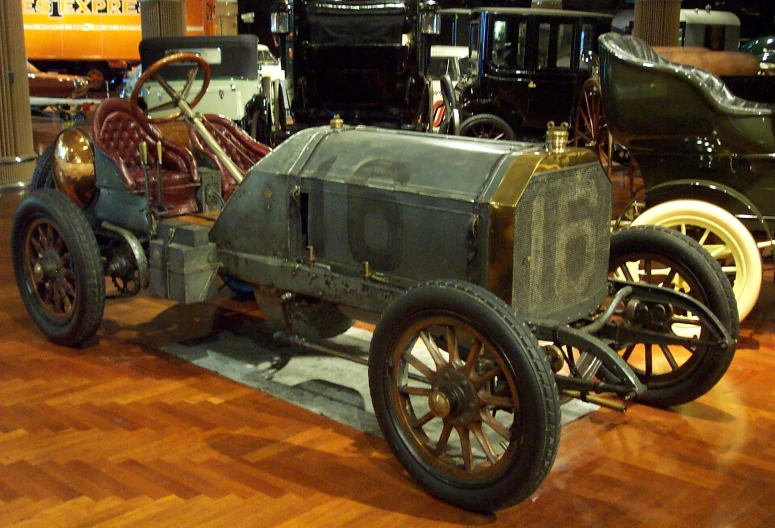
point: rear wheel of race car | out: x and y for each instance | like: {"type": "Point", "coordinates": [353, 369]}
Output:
{"type": "Point", "coordinates": [487, 126]}
{"type": "Point", "coordinates": [464, 395]}
{"type": "Point", "coordinates": [723, 235]}
{"type": "Point", "coordinates": [665, 257]}
{"type": "Point", "coordinates": [58, 267]}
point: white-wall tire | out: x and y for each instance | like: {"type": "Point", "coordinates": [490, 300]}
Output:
{"type": "Point", "coordinates": [725, 238]}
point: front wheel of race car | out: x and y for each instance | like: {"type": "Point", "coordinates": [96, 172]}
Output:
{"type": "Point", "coordinates": [657, 255]}
{"type": "Point", "coordinates": [464, 395]}
{"type": "Point", "coordinates": [723, 235]}
{"type": "Point", "coordinates": [58, 267]}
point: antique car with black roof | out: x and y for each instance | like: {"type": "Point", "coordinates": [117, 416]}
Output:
{"type": "Point", "coordinates": [531, 66]}
{"type": "Point", "coordinates": [488, 268]}
{"type": "Point", "coordinates": [364, 60]}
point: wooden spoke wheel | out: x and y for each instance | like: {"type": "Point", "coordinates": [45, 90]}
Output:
{"type": "Point", "coordinates": [58, 267]}
{"type": "Point", "coordinates": [464, 395]}
{"type": "Point", "coordinates": [655, 255]}
{"type": "Point", "coordinates": [590, 129]}
{"type": "Point", "coordinates": [723, 236]}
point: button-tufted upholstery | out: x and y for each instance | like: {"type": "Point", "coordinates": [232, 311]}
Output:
{"type": "Point", "coordinates": [243, 150]}
{"type": "Point", "coordinates": [119, 132]}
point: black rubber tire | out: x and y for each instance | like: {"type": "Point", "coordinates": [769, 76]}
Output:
{"type": "Point", "coordinates": [487, 126]}
{"type": "Point", "coordinates": [526, 462]}
{"type": "Point", "coordinates": [43, 175]}
{"type": "Point", "coordinates": [48, 207]}
{"type": "Point", "coordinates": [706, 367]}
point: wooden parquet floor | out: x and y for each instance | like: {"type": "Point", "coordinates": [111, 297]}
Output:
{"type": "Point", "coordinates": [119, 433]}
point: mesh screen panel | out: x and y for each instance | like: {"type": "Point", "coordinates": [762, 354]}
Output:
{"type": "Point", "coordinates": [561, 241]}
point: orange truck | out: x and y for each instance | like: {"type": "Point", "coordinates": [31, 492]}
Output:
{"type": "Point", "coordinates": [95, 38]}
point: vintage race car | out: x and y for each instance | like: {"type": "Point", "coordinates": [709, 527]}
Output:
{"type": "Point", "coordinates": [486, 267]}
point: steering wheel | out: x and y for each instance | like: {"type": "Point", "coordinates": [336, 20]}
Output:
{"type": "Point", "coordinates": [183, 95]}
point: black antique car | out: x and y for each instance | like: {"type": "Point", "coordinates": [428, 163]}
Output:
{"type": "Point", "coordinates": [464, 252]}
{"type": "Point", "coordinates": [531, 65]}
{"type": "Point", "coordinates": [705, 155]}
{"type": "Point", "coordinates": [364, 60]}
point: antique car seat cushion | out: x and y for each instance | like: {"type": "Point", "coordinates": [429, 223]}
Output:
{"type": "Point", "coordinates": [119, 132]}
{"type": "Point", "coordinates": [243, 150]}
{"type": "Point", "coordinates": [719, 63]}
{"type": "Point", "coordinates": [638, 52]}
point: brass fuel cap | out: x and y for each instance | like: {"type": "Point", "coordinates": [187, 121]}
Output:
{"type": "Point", "coordinates": [556, 137]}
{"type": "Point", "coordinates": [337, 123]}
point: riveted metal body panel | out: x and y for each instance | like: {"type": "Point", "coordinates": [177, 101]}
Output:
{"type": "Point", "coordinates": [354, 216]}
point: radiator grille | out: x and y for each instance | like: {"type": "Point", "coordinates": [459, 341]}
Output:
{"type": "Point", "coordinates": [561, 242]}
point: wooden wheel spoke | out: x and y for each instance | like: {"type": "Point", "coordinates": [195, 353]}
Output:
{"type": "Point", "coordinates": [669, 357]}
{"type": "Point", "coordinates": [479, 381]}
{"type": "Point", "coordinates": [58, 298]}
{"type": "Point", "coordinates": [626, 272]}
{"type": "Point", "coordinates": [452, 347]}
{"type": "Point", "coordinates": [47, 234]}
{"type": "Point", "coordinates": [441, 445]}
{"type": "Point", "coordinates": [419, 365]}
{"type": "Point", "coordinates": [495, 425]}
{"type": "Point", "coordinates": [719, 252]}
{"type": "Point", "coordinates": [669, 278]}
{"type": "Point", "coordinates": [484, 442]}
{"type": "Point", "coordinates": [47, 292]}
{"type": "Point", "coordinates": [37, 246]}
{"type": "Point", "coordinates": [704, 237]}
{"type": "Point", "coordinates": [473, 358]}
{"type": "Point", "coordinates": [628, 352]}
{"type": "Point", "coordinates": [648, 271]}
{"type": "Point", "coordinates": [414, 391]}
{"type": "Point", "coordinates": [649, 359]}
{"type": "Point", "coordinates": [497, 402]}
{"type": "Point", "coordinates": [422, 421]}
{"type": "Point", "coordinates": [67, 304]}
{"type": "Point", "coordinates": [69, 289]}
{"type": "Point", "coordinates": [433, 349]}
{"type": "Point", "coordinates": [465, 447]}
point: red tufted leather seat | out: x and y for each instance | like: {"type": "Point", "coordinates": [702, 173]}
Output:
{"type": "Point", "coordinates": [119, 132]}
{"type": "Point", "coordinates": [243, 150]}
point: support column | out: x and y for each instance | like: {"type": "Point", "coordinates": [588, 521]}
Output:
{"type": "Point", "coordinates": [163, 18]}
{"type": "Point", "coordinates": [658, 21]}
{"type": "Point", "coordinates": [17, 154]}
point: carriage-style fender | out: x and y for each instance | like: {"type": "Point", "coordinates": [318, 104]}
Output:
{"type": "Point", "coordinates": [710, 191]}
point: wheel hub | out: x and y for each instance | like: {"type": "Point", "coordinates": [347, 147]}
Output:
{"type": "Point", "coordinates": [46, 268]}
{"type": "Point", "coordinates": [439, 404]}
{"type": "Point", "coordinates": [453, 397]}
